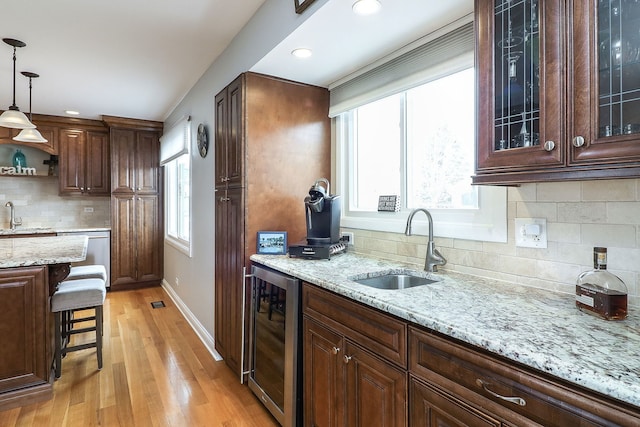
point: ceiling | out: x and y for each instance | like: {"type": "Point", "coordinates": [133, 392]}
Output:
{"type": "Point", "coordinates": [140, 58]}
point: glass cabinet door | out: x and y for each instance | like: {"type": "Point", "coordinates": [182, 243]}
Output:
{"type": "Point", "coordinates": [618, 67]}
{"type": "Point", "coordinates": [520, 87]}
{"type": "Point", "coordinates": [606, 65]}
{"type": "Point", "coordinates": [517, 74]}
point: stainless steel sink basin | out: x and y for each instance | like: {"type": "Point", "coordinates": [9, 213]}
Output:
{"type": "Point", "coordinates": [395, 280]}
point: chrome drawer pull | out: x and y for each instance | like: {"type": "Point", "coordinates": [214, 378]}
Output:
{"type": "Point", "coordinates": [346, 358]}
{"type": "Point", "coordinates": [335, 350]}
{"type": "Point", "coordinates": [517, 400]}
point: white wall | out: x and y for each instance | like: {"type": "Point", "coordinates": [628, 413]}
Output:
{"type": "Point", "coordinates": [272, 23]}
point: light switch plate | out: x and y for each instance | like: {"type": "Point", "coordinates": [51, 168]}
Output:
{"type": "Point", "coordinates": [523, 229]}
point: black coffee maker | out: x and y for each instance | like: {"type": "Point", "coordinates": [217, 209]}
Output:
{"type": "Point", "coordinates": [323, 214]}
{"type": "Point", "coordinates": [322, 211]}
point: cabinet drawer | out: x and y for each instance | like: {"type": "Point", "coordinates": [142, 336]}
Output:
{"type": "Point", "coordinates": [375, 330]}
{"type": "Point", "coordinates": [483, 377]}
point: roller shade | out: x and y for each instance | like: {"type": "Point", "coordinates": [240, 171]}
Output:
{"type": "Point", "coordinates": [176, 141]}
{"type": "Point", "coordinates": [435, 58]}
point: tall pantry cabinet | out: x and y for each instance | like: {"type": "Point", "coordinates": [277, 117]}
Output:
{"type": "Point", "coordinates": [272, 142]}
{"type": "Point", "coordinates": [136, 203]}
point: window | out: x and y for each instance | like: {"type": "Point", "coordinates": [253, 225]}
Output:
{"type": "Point", "coordinates": [176, 159]}
{"type": "Point", "coordinates": [178, 200]}
{"type": "Point", "coordinates": [416, 140]}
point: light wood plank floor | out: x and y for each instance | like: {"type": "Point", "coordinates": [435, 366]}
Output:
{"type": "Point", "coordinates": [156, 373]}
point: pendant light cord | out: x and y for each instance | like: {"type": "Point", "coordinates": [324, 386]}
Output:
{"type": "Point", "coordinates": [13, 106]}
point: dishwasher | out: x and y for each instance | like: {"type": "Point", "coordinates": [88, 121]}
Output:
{"type": "Point", "coordinates": [98, 249]}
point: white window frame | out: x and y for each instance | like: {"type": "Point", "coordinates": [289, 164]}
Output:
{"type": "Point", "coordinates": [487, 223]}
{"type": "Point", "coordinates": [178, 139]}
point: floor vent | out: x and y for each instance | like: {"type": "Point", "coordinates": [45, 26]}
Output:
{"type": "Point", "coordinates": [158, 304]}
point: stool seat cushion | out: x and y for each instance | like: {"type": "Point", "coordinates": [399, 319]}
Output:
{"type": "Point", "coordinates": [77, 294]}
{"type": "Point", "coordinates": [95, 271]}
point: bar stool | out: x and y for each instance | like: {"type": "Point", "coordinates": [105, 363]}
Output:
{"type": "Point", "coordinates": [79, 294]}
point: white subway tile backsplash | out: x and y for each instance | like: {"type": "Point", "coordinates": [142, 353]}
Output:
{"type": "Point", "coordinates": [590, 212]}
{"type": "Point", "coordinates": [623, 213]}
{"type": "Point", "coordinates": [622, 236]}
{"type": "Point", "coordinates": [537, 210]}
{"type": "Point", "coordinates": [558, 192]}
{"type": "Point", "coordinates": [609, 190]}
{"type": "Point", "coordinates": [579, 216]}
{"type": "Point", "coordinates": [38, 203]}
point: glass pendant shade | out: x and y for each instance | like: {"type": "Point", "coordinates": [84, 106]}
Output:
{"type": "Point", "coordinates": [30, 135]}
{"type": "Point", "coordinates": [15, 119]}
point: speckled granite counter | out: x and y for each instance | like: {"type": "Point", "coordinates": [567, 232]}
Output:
{"type": "Point", "coordinates": [537, 328]}
{"type": "Point", "coordinates": [23, 252]}
{"type": "Point", "coordinates": [29, 230]}
{"type": "Point", "coordinates": [46, 230]}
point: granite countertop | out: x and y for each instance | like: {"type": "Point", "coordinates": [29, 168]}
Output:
{"type": "Point", "coordinates": [28, 251]}
{"type": "Point", "coordinates": [538, 328]}
{"type": "Point", "coordinates": [48, 230]}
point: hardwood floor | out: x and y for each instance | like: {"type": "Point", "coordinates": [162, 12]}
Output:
{"type": "Point", "coordinates": [156, 373]}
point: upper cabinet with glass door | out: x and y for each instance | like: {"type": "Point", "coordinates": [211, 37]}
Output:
{"type": "Point", "coordinates": [558, 86]}
{"type": "Point", "coordinates": [605, 54]}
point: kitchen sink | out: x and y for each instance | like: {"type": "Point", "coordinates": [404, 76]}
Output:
{"type": "Point", "coordinates": [394, 280]}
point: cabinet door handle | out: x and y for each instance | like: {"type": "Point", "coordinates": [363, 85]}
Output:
{"type": "Point", "coordinates": [549, 145]}
{"type": "Point", "coordinates": [224, 199]}
{"type": "Point", "coordinates": [335, 350]}
{"type": "Point", "coordinates": [88, 188]}
{"type": "Point", "coordinates": [516, 400]}
{"type": "Point", "coordinates": [578, 141]}
{"type": "Point", "coordinates": [346, 358]}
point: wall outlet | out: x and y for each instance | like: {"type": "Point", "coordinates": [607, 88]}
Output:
{"type": "Point", "coordinates": [531, 232]}
{"type": "Point", "coordinates": [347, 237]}
{"type": "Point", "coordinates": [88, 210]}
{"type": "Point", "coordinates": [177, 281]}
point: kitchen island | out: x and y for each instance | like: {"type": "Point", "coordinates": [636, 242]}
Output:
{"type": "Point", "coordinates": [30, 269]}
{"type": "Point", "coordinates": [534, 328]}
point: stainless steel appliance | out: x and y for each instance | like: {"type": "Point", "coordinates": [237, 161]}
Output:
{"type": "Point", "coordinates": [98, 249]}
{"type": "Point", "coordinates": [275, 374]}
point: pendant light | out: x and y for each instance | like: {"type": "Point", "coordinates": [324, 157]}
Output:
{"type": "Point", "coordinates": [13, 118]}
{"type": "Point", "coordinates": [30, 135]}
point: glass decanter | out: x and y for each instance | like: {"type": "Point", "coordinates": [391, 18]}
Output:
{"type": "Point", "coordinates": [601, 293]}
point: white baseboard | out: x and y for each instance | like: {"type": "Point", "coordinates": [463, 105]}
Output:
{"type": "Point", "coordinates": [197, 327]}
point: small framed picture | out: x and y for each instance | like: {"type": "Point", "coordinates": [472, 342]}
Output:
{"type": "Point", "coordinates": [301, 5]}
{"type": "Point", "coordinates": [272, 242]}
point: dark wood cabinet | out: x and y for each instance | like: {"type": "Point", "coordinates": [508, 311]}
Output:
{"type": "Point", "coordinates": [229, 147]}
{"type": "Point", "coordinates": [347, 380]}
{"type": "Point", "coordinates": [25, 353]}
{"type": "Point", "coordinates": [135, 161]}
{"type": "Point", "coordinates": [136, 257]}
{"type": "Point", "coordinates": [229, 278]}
{"type": "Point", "coordinates": [272, 142]}
{"type": "Point", "coordinates": [136, 203]}
{"type": "Point", "coordinates": [455, 385]}
{"type": "Point", "coordinates": [557, 94]}
{"type": "Point", "coordinates": [84, 163]}
{"type": "Point", "coordinates": [432, 406]}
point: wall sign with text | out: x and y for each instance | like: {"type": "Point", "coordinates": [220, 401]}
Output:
{"type": "Point", "coordinates": [389, 204]}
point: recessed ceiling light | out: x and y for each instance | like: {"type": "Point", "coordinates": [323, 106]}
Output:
{"type": "Point", "coordinates": [72, 113]}
{"type": "Point", "coordinates": [366, 7]}
{"type": "Point", "coordinates": [301, 52]}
